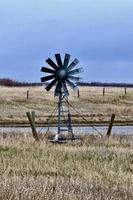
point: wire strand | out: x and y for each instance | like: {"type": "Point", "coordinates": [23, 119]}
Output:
{"type": "Point", "coordinates": [50, 118]}
{"type": "Point", "coordinates": [84, 118]}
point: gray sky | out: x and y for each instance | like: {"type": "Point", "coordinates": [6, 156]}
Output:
{"type": "Point", "coordinates": [97, 32]}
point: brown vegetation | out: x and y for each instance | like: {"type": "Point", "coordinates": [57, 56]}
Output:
{"type": "Point", "coordinates": [91, 104]}
{"type": "Point", "coordinates": [92, 168]}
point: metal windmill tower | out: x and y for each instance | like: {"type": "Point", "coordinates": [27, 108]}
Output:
{"type": "Point", "coordinates": [62, 74]}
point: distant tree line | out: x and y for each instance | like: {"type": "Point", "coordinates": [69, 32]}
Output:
{"type": "Point", "coordinates": [100, 84]}
{"type": "Point", "coordinates": [13, 83]}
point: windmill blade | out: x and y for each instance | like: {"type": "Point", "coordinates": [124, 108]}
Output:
{"type": "Point", "coordinates": [52, 64]}
{"type": "Point", "coordinates": [47, 78]}
{"type": "Point", "coordinates": [47, 70]}
{"type": "Point", "coordinates": [73, 64]}
{"type": "Point", "coordinates": [65, 88]}
{"type": "Point", "coordinates": [71, 84]}
{"type": "Point", "coordinates": [51, 84]}
{"type": "Point", "coordinates": [75, 71]}
{"type": "Point", "coordinates": [66, 60]}
{"type": "Point", "coordinates": [58, 89]}
{"type": "Point", "coordinates": [73, 78]}
{"type": "Point", "coordinates": [58, 59]}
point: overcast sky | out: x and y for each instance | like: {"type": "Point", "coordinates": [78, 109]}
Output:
{"type": "Point", "coordinates": [97, 32]}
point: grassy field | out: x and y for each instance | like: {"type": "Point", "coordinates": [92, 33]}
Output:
{"type": "Point", "coordinates": [92, 168]}
{"type": "Point", "coordinates": [13, 104]}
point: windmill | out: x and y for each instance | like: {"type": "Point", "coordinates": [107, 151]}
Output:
{"type": "Point", "coordinates": [62, 74]}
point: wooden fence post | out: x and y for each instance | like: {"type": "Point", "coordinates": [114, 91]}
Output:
{"type": "Point", "coordinates": [78, 92]}
{"type": "Point", "coordinates": [103, 92]}
{"type": "Point", "coordinates": [27, 94]}
{"type": "Point", "coordinates": [32, 123]}
{"type": "Point", "coordinates": [33, 116]}
{"type": "Point", "coordinates": [125, 91]}
{"type": "Point", "coordinates": [110, 126]}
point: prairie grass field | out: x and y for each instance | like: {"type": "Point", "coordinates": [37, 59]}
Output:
{"type": "Point", "coordinates": [91, 103]}
{"type": "Point", "coordinates": [92, 168]}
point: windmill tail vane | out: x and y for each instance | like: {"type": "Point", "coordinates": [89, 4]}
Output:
{"type": "Point", "coordinates": [61, 74]}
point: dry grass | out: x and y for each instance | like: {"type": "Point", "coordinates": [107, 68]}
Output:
{"type": "Point", "coordinates": [13, 104]}
{"type": "Point", "coordinates": [92, 168]}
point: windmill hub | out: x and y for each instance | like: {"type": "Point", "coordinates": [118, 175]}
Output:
{"type": "Point", "coordinates": [61, 73]}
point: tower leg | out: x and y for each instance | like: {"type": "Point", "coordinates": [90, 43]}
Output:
{"type": "Point", "coordinates": [64, 118]}
{"type": "Point", "coordinates": [59, 109]}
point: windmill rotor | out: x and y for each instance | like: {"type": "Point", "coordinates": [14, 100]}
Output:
{"type": "Point", "coordinates": [61, 74]}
